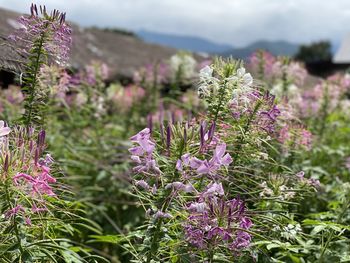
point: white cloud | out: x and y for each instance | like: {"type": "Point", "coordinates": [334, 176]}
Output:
{"type": "Point", "coordinates": [237, 22]}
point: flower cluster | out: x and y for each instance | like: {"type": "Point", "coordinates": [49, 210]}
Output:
{"type": "Point", "coordinates": [29, 174]}
{"type": "Point", "coordinates": [262, 63]}
{"type": "Point", "coordinates": [294, 136]}
{"type": "Point", "coordinates": [142, 154]}
{"type": "Point", "coordinates": [239, 83]}
{"type": "Point", "coordinates": [56, 79]}
{"type": "Point", "coordinates": [214, 221]}
{"type": "Point", "coordinates": [95, 72]}
{"type": "Point", "coordinates": [49, 31]}
{"type": "Point", "coordinates": [151, 74]}
{"type": "Point", "coordinates": [206, 167]}
{"type": "Point", "coordinates": [37, 184]}
{"type": "Point", "coordinates": [182, 67]}
{"type": "Point", "coordinates": [125, 97]}
{"type": "Point", "coordinates": [261, 109]}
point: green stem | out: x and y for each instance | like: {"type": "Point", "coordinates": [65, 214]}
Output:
{"type": "Point", "coordinates": [221, 98]}
{"type": "Point", "coordinates": [246, 128]}
{"type": "Point", "coordinates": [164, 207]}
{"type": "Point", "coordinates": [210, 256]}
{"type": "Point", "coordinates": [34, 72]}
{"type": "Point", "coordinates": [8, 199]}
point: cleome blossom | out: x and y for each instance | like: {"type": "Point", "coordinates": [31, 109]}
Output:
{"type": "Point", "coordinates": [214, 221]}
{"type": "Point", "coordinates": [206, 167]}
{"type": "Point", "coordinates": [29, 174]}
{"type": "Point", "coordinates": [47, 30]}
{"type": "Point", "coordinates": [39, 184]}
{"type": "Point", "coordinates": [142, 153]}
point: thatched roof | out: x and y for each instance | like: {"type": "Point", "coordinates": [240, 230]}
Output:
{"type": "Point", "coordinates": [122, 52]}
{"type": "Point", "coordinates": [10, 59]}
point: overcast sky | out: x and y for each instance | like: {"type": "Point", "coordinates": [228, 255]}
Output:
{"type": "Point", "coordinates": [235, 22]}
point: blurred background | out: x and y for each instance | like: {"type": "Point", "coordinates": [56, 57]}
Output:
{"type": "Point", "coordinates": [126, 34]}
{"type": "Point", "coordinates": [135, 63]}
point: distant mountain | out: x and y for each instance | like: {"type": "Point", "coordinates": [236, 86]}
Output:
{"type": "Point", "coordinates": [195, 44]}
{"type": "Point", "coordinates": [274, 47]}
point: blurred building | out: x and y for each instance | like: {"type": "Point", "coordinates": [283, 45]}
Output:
{"type": "Point", "coordinates": [342, 56]}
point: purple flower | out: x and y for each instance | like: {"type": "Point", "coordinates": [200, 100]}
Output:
{"type": "Point", "coordinates": [178, 186]}
{"type": "Point", "coordinates": [143, 184]}
{"type": "Point", "coordinates": [14, 211]}
{"type": "Point", "coordinates": [213, 189]}
{"type": "Point", "coordinates": [197, 207]}
{"type": "Point", "coordinates": [242, 240]}
{"type": "Point", "coordinates": [260, 108]}
{"type": "Point", "coordinates": [213, 222]}
{"type": "Point", "coordinates": [219, 159]}
{"type": "Point", "coordinates": [195, 163]}
{"type": "Point", "coordinates": [300, 175]}
{"type": "Point", "coordinates": [314, 182]}
{"type": "Point", "coordinates": [142, 154]}
{"type": "Point", "coordinates": [204, 166]}
{"type": "Point", "coordinates": [50, 29]}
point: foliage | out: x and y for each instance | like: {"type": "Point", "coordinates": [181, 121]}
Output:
{"type": "Point", "coordinates": [315, 52]}
{"type": "Point", "coordinates": [218, 161]}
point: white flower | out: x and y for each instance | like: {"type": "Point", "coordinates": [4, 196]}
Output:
{"type": "Point", "coordinates": [206, 73]}
{"type": "Point", "coordinates": [243, 78]}
{"type": "Point", "coordinates": [186, 63]}
{"type": "Point", "coordinates": [247, 80]}
{"type": "Point", "coordinates": [240, 72]}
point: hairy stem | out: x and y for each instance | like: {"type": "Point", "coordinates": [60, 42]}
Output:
{"type": "Point", "coordinates": [34, 69]}
{"type": "Point", "coordinates": [8, 199]}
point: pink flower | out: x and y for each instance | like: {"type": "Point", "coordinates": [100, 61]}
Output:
{"type": "Point", "coordinates": [36, 209]}
{"type": "Point", "coordinates": [39, 185]}
{"type": "Point", "coordinates": [14, 211]}
{"type": "Point", "coordinates": [27, 178]}
{"type": "Point", "coordinates": [284, 134]}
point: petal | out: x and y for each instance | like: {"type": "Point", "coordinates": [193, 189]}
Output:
{"type": "Point", "coordinates": [4, 131]}
{"type": "Point", "coordinates": [204, 168]}
{"type": "Point", "coordinates": [226, 160]}
{"type": "Point", "coordinates": [195, 163]}
{"type": "Point", "coordinates": [240, 72]}
{"type": "Point", "coordinates": [220, 150]}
